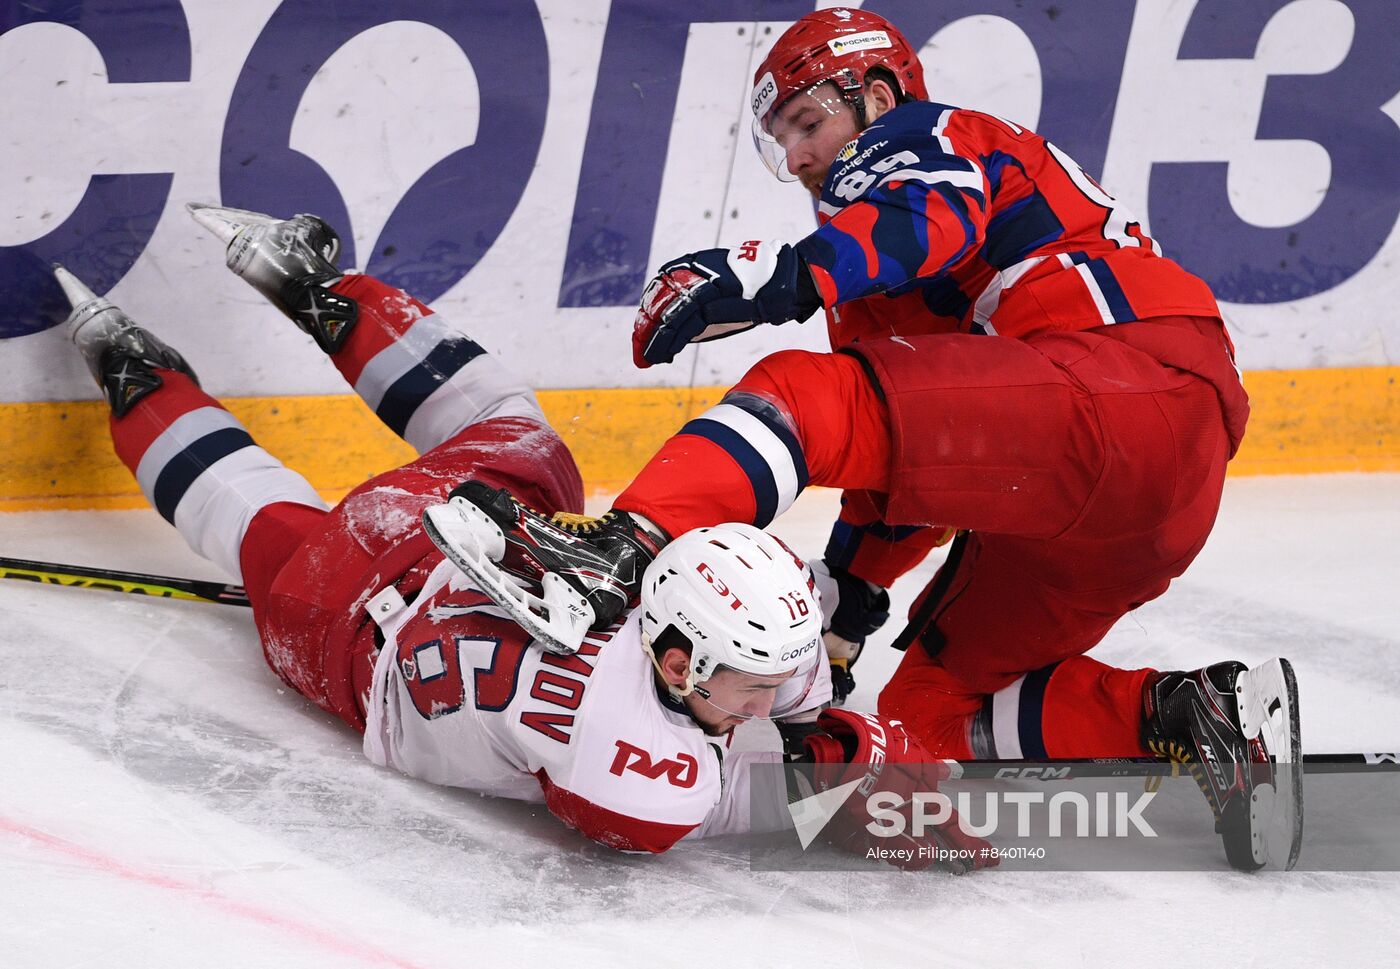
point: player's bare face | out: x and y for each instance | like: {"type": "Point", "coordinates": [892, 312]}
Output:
{"type": "Point", "coordinates": [811, 127]}
{"type": "Point", "coordinates": [728, 698]}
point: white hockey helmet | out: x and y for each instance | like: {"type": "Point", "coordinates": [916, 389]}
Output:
{"type": "Point", "coordinates": [739, 596]}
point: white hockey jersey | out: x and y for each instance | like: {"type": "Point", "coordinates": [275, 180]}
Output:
{"type": "Point", "coordinates": [462, 697]}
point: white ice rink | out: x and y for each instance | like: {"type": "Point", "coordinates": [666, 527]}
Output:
{"type": "Point", "coordinates": [164, 802]}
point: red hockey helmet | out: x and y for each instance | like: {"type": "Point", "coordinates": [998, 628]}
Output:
{"type": "Point", "coordinates": [839, 45]}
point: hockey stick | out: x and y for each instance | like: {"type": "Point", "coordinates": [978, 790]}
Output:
{"type": "Point", "coordinates": [164, 586]}
{"type": "Point", "coordinates": [1058, 770]}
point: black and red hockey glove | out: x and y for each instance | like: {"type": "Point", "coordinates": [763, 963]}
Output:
{"type": "Point", "coordinates": [880, 819]}
{"type": "Point", "coordinates": [716, 293]}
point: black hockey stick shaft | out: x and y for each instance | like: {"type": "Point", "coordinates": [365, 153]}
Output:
{"type": "Point", "coordinates": [1321, 763]}
{"type": "Point", "coordinates": [112, 580]}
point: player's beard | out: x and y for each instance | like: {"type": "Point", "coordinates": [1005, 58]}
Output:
{"type": "Point", "coordinates": [713, 731]}
{"type": "Point", "coordinates": [716, 729]}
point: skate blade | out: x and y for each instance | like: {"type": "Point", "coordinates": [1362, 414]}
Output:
{"type": "Point", "coordinates": [87, 306]}
{"type": "Point", "coordinates": [558, 619]}
{"type": "Point", "coordinates": [74, 288]}
{"type": "Point", "coordinates": [1268, 705]}
{"type": "Point", "coordinates": [225, 223]}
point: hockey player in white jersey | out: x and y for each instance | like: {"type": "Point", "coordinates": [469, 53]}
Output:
{"type": "Point", "coordinates": [626, 739]}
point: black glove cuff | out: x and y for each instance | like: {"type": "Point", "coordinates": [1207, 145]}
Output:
{"type": "Point", "coordinates": [806, 298]}
{"type": "Point", "coordinates": [860, 610]}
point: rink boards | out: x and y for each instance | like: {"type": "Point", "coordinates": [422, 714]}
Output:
{"type": "Point", "coordinates": [1303, 421]}
{"type": "Point", "coordinates": [522, 167]}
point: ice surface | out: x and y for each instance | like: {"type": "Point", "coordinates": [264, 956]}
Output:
{"type": "Point", "coordinates": [165, 802]}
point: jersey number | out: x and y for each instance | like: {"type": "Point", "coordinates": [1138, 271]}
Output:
{"type": "Point", "coordinates": [432, 671]}
{"type": "Point", "coordinates": [853, 186]}
{"type": "Point", "coordinates": [434, 676]}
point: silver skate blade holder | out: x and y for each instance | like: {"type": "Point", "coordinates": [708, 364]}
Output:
{"type": "Point", "coordinates": [558, 618]}
{"type": "Point", "coordinates": [225, 223]}
{"type": "Point", "coordinates": [1267, 699]}
{"type": "Point", "coordinates": [73, 288]}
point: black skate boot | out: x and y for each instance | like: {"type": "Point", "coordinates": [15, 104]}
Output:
{"type": "Point", "coordinates": [122, 357]}
{"type": "Point", "coordinates": [291, 262]}
{"type": "Point", "coordinates": [1236, 730]}
{"type": "Point", "coordinates": [590, 569]}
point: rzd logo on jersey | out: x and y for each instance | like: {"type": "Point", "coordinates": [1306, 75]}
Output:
{"type": "Point", "coordinates": [680, 772]}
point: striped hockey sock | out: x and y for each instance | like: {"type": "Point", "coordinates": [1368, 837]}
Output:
{"type": "Point", "coordinates": [201, 470]}
{"type": "Point", "coordinates": [424, 378]}
{"type": "Point", "coordinates": [738, 461]}
{"type": "Point", "coordinates": [1078, 707]}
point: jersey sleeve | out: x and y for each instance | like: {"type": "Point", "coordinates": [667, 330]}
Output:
{"type": "Point", "coordinates": [754, 797]}
{"type": "Point", "coordinates": [903, 206]}
{"type": "Point", "coordinates": [638, 794]}
{"type": "Point", "coordinates": [633, 775]}
{"type": "Point", "coordinates": [620, 829]}
{"type": "Point", "coordinates": [867, 548]}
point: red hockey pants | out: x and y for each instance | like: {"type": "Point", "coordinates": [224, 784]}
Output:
{"type": "Point", "coordinates": [1087, 472]}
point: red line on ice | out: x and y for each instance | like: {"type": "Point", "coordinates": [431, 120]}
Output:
{"type": "Point", "coordinates": [310, 933]}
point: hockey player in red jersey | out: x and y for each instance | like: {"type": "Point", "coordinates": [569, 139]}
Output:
{"type": "Point", "coordinates": [624, 738]}
{"type": "Point", "coordinates": [1015, 360]}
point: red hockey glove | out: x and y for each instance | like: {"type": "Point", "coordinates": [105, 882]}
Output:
{"type": "Point", "coordinates": [892, 767]}
{"type": "Point", "coordinates": [716, 293]}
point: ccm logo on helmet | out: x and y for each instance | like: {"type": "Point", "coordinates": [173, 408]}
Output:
{"type": "Point", "coordinates": [851, 43]}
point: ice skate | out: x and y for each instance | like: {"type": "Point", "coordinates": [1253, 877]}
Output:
{"type": "Point", "coordinates": [291, 262]}
{"type": "Point", "coordinates": [589, 569]}
{"type": "Point", "coordinates": [1237, 730]}
{"type": "Point", "coordinates": [122, 357]}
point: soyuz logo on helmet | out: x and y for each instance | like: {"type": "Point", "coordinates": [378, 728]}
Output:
{"type": "Point", "coordinates": [763, 94]}
{"type": "Point", "coordinates": [851, 43]}
{"type": "Point", "coordinates": [799, 651]}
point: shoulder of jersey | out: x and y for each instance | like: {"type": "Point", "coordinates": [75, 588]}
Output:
{"type": "Point", "coordinates": [634, 754]}
{"type": "Point", "coordinates": [910, 125]}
